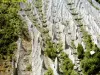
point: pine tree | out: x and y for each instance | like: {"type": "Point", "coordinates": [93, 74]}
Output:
{"type": "Point", "coordinates": [80, 51]}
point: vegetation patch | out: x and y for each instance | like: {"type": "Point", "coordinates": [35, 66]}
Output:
{"type": "Point", "coordinates": [94, 5]}
{"type": "Point", "coordinates": [29, 67]}
{"type": "Point", "coordinates": [49, 72]}
{"type": "Point", "coordinates": [10, 26]}
{"type": "Point", "coordinates": [91, 62]}
{"type": "Point", "coordinates": [98, 1]}
{"type": "Point", "coordinates": [80, 51]}
{"type": "Point", "coordinates": [66, 65]}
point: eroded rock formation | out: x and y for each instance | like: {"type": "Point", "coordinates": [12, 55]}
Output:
{"type": "Point", "coordinates": [61, 20]}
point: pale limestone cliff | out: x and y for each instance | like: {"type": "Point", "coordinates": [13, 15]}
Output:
{"type": "Point", "coordinates": [64, 21]}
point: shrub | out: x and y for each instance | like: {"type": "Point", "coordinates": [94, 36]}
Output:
{"type": "Point", "coordinates": [38, 3]}
{"type": "Point", "coordinates": [66, 64]}
{"type": "Point", "coordinates": [45, 31]}
{"type": "Point", "coordinates": [10, 24]}
{"type": "Point", "coordinates": [63, 55]}
{"type": "Point", "coordinates": [59, 47]}
{"type": "Point", "coordinates": [87, 39]}
{"type": "Point", "coordinates": [90, 66]}
{"type": "Point", "coordinates": [29, 67]}
{"type": "Point", "coordinates": [91, 63]}
{"type": "Point", "coordinates": [74, 73]}
{"type": "Point", "coordinates": [50, 50]}
{"type": "Point", "coordinates": [98, 1]}
{"type": "Point", "coordinates": [11, 27]}
{"type": "Point", "coordinates": [49, 72]}
{"type": "Point", "coordinates": [95, 48]}
{"type": "Point", "coordinates": [80, 51]}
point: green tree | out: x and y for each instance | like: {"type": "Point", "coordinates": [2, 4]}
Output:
{"type": "Point", "coordinates": [66, 66]}
{"type": "Point", "coordinates": [50, 50]}
{"type": "Point", "coordinates": [74, 73]}
{"type": "Point", "coordinates": [91, 63]}
{"type": "Point", "coordinates": [80, 51]}
{"type": "Point", "coordinates": [49, 72]}
{"type": "Point", "coordinates": [95, 48]}
{"type": "Point", "coordinates": [10, 27]}
{"type": "Point", "coordinates": [98, 1]}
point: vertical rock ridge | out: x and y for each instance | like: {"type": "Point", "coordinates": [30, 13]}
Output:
{"type": "Point", "coordinates": [60, 21]}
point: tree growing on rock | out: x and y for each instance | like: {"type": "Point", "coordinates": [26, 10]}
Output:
{"type": "Point", "coordinates": [49, 72]}
{"type": "Point", "coordinates": [80, 51]}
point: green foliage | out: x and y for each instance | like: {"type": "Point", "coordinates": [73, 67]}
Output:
{"type": "Point", "coordinates": [6, 1]}
{"type": "Point", "coordinates": [50, 50]}
{"type": "Point", "coordinates": [29, 67]}
{"type": "Point", "coordinates": [94, 5]}
{"type": "Point", "coordinates": [24, 34]}
{"type": "Point", "coordinates": [38, 3]}
{"type": "Point", "coordinates": [44, 21]}
{"type": "Point", "coordinates": [49, 72]}
{"type": "Point", "coordinates": [63, 56]}
{"type": "Point", "coordinates": [59, 47]}
{"type": "Point", "coordinates": [80, 51]}
{"type": "Point", "coordinates": [95, 48]}
{"type": "Point", "coordinates": [10, 27]}
{"type": "Point", "coordinates": [44, 25]}
{"type": "Point", "coordinates": [98, 1]}
{"type": "Point", "coordinates": [74, 73]}
{"type": "Point", "coordinates": [66, 66]}
{"type": "Point", "coordinates": [91, 63]}
{"type": "Point", "coordinates": [87, 39]}
{"type": "Point", "coordinates": [74, 13]}
{"type": "Point", "coordinates": [45, 31]}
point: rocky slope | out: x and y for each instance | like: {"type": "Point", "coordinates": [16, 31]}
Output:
{"type": "Point", "coordinates": [62, 22]}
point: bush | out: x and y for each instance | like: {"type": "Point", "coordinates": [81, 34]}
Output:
{"type": "Point", "coordinates": [38, 4]}
{"type": "Point", "coordinates": [49, 72]}
{"type": "Point", "coordinates": [98, 1]}
{"type": "Point", "coordinates": [91, 63]}
{"type": "Point", "coordinates": [95, 48]}
{"type": "Point", "coordinates": [66, 64]}
{"type": "Point", "coordinates": [59, 47]}
{"type": "Point", "coordinates": [90, 66]}
{"type": "Point", "coordinates": [9, 27]}
{"type": "Point", "coordinates": [80, 51]}
{"type": "Point", "coordinates": [87, 39]}
{"type": "Point", "coordinates": [74, 73]}
{"type": "Point", "coordinates": [63, 56]}
{"type": "Point", "coordinates": [50, 50]}
{"type": "Point", "coordinates": [29, 67]}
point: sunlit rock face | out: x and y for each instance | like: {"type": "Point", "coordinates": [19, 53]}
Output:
{"type": "Point", "coordinates": [64, 21]}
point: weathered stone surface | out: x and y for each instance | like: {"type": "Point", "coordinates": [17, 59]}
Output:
{"type": "Point", "coordinates": [64, 19]}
